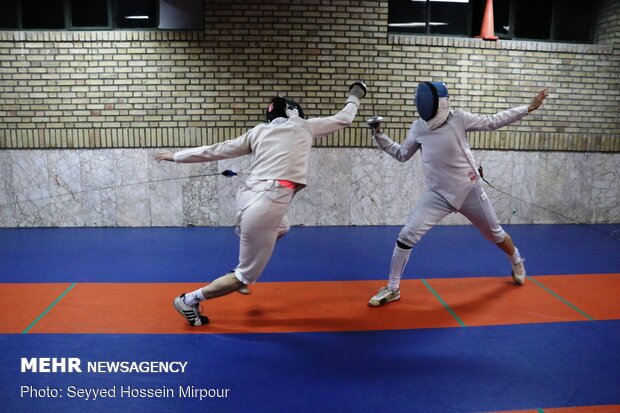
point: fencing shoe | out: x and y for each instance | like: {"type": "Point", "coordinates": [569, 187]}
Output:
{"type": "Point", "coordinates": [190, 312]}
{"type": "Point", "coordinates": [384, 296]}
{"type": "Point", "coordinates": [518, 272]}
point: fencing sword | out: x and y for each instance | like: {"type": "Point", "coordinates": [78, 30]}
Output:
{"type": "Point", "coordinates": [374, 119]}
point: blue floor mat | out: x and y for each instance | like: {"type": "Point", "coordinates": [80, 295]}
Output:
{"type": "Point", "coordinates": [434, 370]}
{"type": "Point", "coordinates": [305, 254]}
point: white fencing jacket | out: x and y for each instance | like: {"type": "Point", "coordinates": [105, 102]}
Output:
{"type": "Point", "coordinates": [447, 161]}
{"type": "Point", "coordinates": [281, 148]}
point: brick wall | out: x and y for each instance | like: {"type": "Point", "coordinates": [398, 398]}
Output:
{"type": "Point", "coordinates": [124, 89]}
{"type": "Point", "coordinates": [608, 28]}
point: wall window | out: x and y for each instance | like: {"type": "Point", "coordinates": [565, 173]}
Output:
{"type": "Point", "coordinates": [42, 14]}
{"type": "Point", "coordinates": [430, 16]}
{"type": "Point", "coordinates": [91, 13]}
{"type": "Point", "coordinates": [574, 21]}
{"type": "Point", "coordinates": [446, 17]}
{"type": "Point", "coordinates": [9, 17]}
{"type": "Point", "coordinates": [547, 20]}
{"type": "Point", "coordinates": [100, 14]}
{"type": "Point", "coordinates": [133, 14]}
{"type": "Point", "coordinates": [532, 19]}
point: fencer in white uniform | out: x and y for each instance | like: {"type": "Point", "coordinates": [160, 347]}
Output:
{"type": "Point", "coordinates": [452, 181]}
{"type": "Point", "coordinates": [280, 149]}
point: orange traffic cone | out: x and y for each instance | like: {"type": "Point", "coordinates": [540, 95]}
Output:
{"type": "Point", "coordinates": [487, 31]}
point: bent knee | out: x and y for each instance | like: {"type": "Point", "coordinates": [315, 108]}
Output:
{"type": "Point", "coordinates": [402, 245]}
{"type": "Point", "coordinates": [406, 241]}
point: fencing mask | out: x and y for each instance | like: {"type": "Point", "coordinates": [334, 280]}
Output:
{"type": "Point", "coordinates": [280, 107]}
{"type": "Point", "coordinates": [431, 100]}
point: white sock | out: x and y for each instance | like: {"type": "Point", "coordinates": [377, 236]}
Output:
{"type": "Point", "coordinates": [399, 261]}
{"type": "Point", "coordinates": [516, 257]}
{"type": "Point", "coordinates": [194, 297]}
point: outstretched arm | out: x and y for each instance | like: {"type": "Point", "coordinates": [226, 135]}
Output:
{"type": "Point", "coordinates": [320, 127]}
{"type": "Point", "coordinates": [475, 122]}
{"type": "Point", "coordinates": [223, 150]}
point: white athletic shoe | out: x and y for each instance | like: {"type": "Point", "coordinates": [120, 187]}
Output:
{"type": "Point", "coordinates": [384, 296]}
{"type": "Point", "coordinates": [190, 312]}
{"type": "Point", "coordinates": [518, 272]}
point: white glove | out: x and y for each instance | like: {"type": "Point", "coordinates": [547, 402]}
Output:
{"type": "Point", "coordinates": [358, 89]}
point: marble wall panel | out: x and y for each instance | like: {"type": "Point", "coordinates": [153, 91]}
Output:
{"type": "Point", "coordinates": [498, 169]}
{"type": "Point", "coordinates": [331, 176]}
{"type": "Point", "coordinates": [524, 187]}
{"type": "Point", "coordinates": [126, 187]}
{"type": "Point", "coordinates": [133, 206]}
{"type": "Point", "coordinates": [560, 189]}
{"type": "Point", "coordinates": [605, 188]}
{"type": "Point", "coordinates": [131, 179]}
{"type": "Point", "coordinates": [200, 195]}
{"type": "Point", "coordinates": [8, 193]}
{"type": "Point", "coordinates": [33, 213]}
{"type": "Point", "coordinates": [65, 188]}
{"type": "Point", "coordinates": [98, 177]}
{"type": "Point", "coordinates": [66, 211]}
{"type": "Point", "coordinates": [577, 182]}
{"type": "Point", "coordinates": [99, 207]}
{"type": "Point", "coordinates": [166, 204]}
{"type": "Point", "coordinates": [367, 182]}
{"type": "Point", "coordinates": [32, 186]}
{"type": "Point", "coordinates": [98, 169]}
{"type": "Point", "coordinates": [165, 191]}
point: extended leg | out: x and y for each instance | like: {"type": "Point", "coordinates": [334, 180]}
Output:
{"type": "Point", "coordinates": [478, 209]}
{"type": "Point", "coordinates": [260, 223]}
{"type": "Point", "coordinates": [431, 209]}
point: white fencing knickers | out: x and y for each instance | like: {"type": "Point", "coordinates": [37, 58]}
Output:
{"type": "Point", "coordinates": [432, 208]}
{"type": "Point", "coordinates": [261, 220]}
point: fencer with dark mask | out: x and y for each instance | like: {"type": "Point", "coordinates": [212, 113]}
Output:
{"type": "Point", "coordinates": [453, 183]}
{"type": "Point", "coordinates": [280, 149]}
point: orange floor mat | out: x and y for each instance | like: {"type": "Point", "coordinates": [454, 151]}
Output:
{"type": "Point", "coordinates": [494, 301]}
{"type": "Point", "coordinates": [21, 304]}
{"type": "Point", "coordinates": [308, 306]}
{"type": "Point", "coordinates": [598, 295]}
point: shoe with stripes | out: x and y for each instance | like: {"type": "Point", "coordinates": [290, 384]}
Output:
{"type": "Point", "coordinates": [190, 312]}
{"type": "Point", "coordinates": [384, 296]}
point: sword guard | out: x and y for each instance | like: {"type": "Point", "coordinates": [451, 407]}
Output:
{"type": "Point", "coordinates": [374, 120]}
